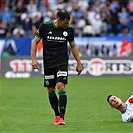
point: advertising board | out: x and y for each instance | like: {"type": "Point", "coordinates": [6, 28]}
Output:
{"type": "Point", "coordinates": [20, 67]}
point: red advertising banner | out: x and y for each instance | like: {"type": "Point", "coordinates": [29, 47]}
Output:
{"type": "Point", "coordinates": [126, 48]}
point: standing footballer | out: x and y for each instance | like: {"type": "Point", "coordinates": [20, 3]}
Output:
{"type": "Point", "coordinates": [55, 35]}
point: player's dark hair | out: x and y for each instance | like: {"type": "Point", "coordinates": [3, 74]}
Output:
{"type": "Point", "coordinates": [108, 98]}
{"type": "Point", "coordinates": [62, 14]}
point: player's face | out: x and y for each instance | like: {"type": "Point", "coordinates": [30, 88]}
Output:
{"type": "Point", "coordinates": [63, 23]}
{"type": "Point", "coordinates": [115, 101]}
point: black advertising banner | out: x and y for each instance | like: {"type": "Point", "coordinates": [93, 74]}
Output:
{"type": "Point", "coordinates": [20, 67]}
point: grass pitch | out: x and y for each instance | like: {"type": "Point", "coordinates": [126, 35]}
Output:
{"type": "Point", "coordinates": [25, 107]}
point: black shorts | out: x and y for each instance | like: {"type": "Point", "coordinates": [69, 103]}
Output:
{"type": "Point", "coordinates": [54, 75]}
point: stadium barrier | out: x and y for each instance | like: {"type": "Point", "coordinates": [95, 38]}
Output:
{"type": "Point", "coordinates": [20, 67]}
{"type": "Point", "coordinates": [88, 46]}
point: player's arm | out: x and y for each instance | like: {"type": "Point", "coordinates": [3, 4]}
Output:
{"type": "Point", "coordinates": [75, 53]}
{"type": "Point", "coordinates": [34, 49]}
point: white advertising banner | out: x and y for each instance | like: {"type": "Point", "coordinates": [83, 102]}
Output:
{"type": "Point", "coordinates": [20, 67]}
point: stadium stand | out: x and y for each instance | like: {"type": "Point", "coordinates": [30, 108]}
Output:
{"type": "Point", "coordinates": [20, 18]}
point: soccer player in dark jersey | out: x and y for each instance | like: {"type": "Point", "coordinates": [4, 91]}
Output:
{"type": "Point", "coordinates": [55, 35]}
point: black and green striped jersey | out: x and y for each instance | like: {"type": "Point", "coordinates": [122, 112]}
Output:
{"type": "Point", "coordinates": [55, 40]}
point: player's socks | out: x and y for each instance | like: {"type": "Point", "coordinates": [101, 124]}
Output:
{"type": "Point", "coordinates": [54, 102]}
{"type": "Point", "coordinates": [62, 102]}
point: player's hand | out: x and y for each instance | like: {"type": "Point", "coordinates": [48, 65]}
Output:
{"type": "Point", "coordinates": [35, 64]}
{"type": "Point", "coordinates": [79, 69]}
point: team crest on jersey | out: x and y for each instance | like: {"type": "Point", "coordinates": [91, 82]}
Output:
{"type": "Point", "coordinates": [65, 33]}
{"type": "Point", "coordinates": [47, 82]}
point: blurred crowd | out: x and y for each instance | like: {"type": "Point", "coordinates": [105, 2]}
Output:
{"type": "Point", "coordinates": [20, 18]}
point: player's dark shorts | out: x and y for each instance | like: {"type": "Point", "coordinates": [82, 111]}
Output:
{"type": "Point", "coordinates": [54, 75]}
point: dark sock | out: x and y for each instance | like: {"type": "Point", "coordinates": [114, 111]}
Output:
{"type": "Point", "coordinates": [62, 102]}
{"type": "Point", "coordinates": [54, 103]}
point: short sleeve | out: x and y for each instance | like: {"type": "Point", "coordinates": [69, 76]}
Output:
{"type": "Point", "coordinates": [71, 35]}
{"type": "Point", "coordinates": [40, 31]}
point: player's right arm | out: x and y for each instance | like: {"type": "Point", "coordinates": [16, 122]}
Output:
{"type": "Point", "coordinates": [34, 49]}
{"type": "Point", "coordinates": [76, 56]}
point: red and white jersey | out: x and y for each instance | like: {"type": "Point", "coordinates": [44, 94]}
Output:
{"type": "Point", "coordinates": [126, 115]}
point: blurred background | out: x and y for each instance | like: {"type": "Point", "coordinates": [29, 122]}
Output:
{"type": "Point", "coordinates": [20, 18]}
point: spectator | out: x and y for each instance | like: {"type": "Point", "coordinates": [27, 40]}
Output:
{"type": "Point", "coordinates": [130, 8]}
{"type": "Point", "coordinates": [49, 15]}
{"type": "Point", "coordinates": [68, 5]}
{"type": "Point", "coordinates": [31, 7]}
{"type": "Point", "coordinates": [125, 32]}
{"type": "Point", "coordinates": [104, 13]}
{"type": "Point", "coordinates": [19, 31]}
{"type": "Point", "coordinates": [114, 9]}
{"type": "Point", "coordinates": [95, 20]}
{"type": "Point", "coordinates": [12, 26]}
{"type": "Point", "coordinates": [114, 6]}
{"type": "Point", "coordinates": [42, 7]}
{"type": "Point", "coordinates": [104, 16]}
{"type": "Point", "coordinates": [83, 4]}
{"type": "Point", "coordinates": [3, 28]}
{"type": "Point", "coordinates": [18, 10]}
{"type": "Point", "coordinates": [7, 15]}
{"type": "Point", "coordinates": [81, 24]}
{"type": "Point", "coordinates": [36, 17]}
{"type": "Point", "coordinates": [88, 30]}
{"type": "Point", "coordinates": [77, 13]}
{"type": "Point", "coordinates": [96, 6]}
{"type": "Point", "coordinates": [123, 18]}
{"type": "Point", "coordinates": [26, 21]}
{"type": "Point", "coordinates": [123, 2]}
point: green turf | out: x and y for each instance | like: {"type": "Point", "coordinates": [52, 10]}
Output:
{"type": "Point", "coordinates": [25, 106]}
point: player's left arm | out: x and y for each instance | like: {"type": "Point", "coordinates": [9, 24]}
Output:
{"type": "Point", "coordinates": [75, 53]}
